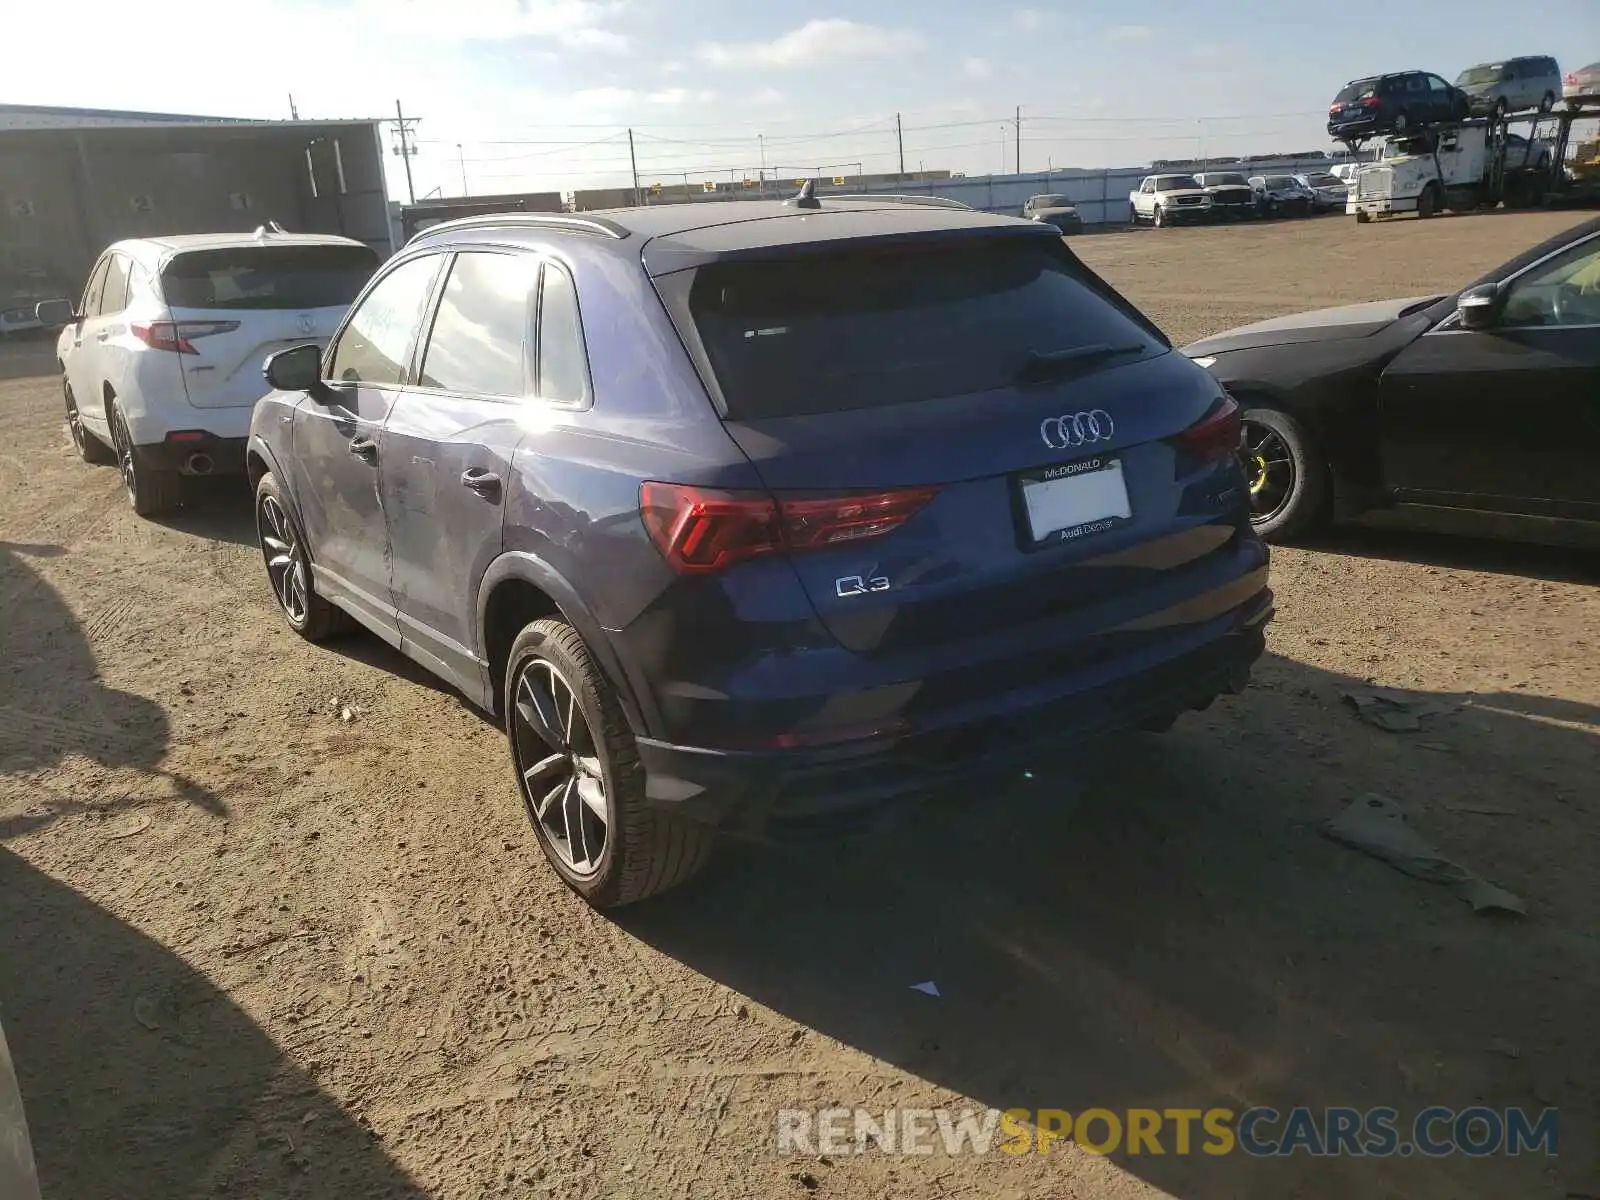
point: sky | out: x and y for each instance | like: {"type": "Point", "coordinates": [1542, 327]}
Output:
{"type": "Point", "coordinates": [520, 95]}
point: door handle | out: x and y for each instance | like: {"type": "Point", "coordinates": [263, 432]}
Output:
{"type": "Point", "coordinates": [485, 483]}
{"type": "Point", "coordinates": [364, 448]}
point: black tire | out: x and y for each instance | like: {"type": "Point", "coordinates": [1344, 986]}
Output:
{"type": "Point", "coordinates": [1159, 220]}
{"type": "Point", "coordinates": [150, 491]}
{"type": "Point", "coordinates": [1428, 202]}
{"type": "Point", "coordinates": [307, 613]}
{"type": "Point", "coordinates": [1362, 217]}
{"type": "Point", "coordinates": [1305, 503]}
{"type": "Point", "coordinates": [1402, 121]}
{"type": "Point", "coordinates": [1500, 109]}
{"type": "Point", "coordinates": [90, 448]}
{"type": "Point", "coordinates": [645, 850]}
{"type": "Point", "coordinates": [1548, 103]}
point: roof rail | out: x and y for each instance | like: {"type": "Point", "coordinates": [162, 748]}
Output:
{"type": "Point", "coordinates": [890, 198]}
{"type": "Point", "coordinates": [570, 222]}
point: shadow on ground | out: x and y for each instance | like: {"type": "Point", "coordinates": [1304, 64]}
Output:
{"type": "Point", "coordinates": [53, 702]}
{"type": "Point", "coordinates": [141, 1079]}
{"type": "Point", "coordinates": [1159, 924]}
{"type": "Point", "coordinates": [218, 507]}
{"type": "Point", "coordinates": [1465, 542]}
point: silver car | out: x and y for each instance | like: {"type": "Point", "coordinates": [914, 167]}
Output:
{"type": "Point", "coordinates": [1582, 86]}
{"type": "Point", "coordinates": [1514, 85]}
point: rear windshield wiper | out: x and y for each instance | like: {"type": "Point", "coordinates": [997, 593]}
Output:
{"type": "Point", "coordinates": [1050, 364]}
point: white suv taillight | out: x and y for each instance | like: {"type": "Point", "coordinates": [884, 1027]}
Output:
{"type": "Point", "coordinates": [177, 336]}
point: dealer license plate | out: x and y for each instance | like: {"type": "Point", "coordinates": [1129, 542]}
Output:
{"type": "Point", "coordinates": [1075, 499]}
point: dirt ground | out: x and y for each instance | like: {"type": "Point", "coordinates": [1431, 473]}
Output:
{"type": "Point", "coordinates": [249, 948]}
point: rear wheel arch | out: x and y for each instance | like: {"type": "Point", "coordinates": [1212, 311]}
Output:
{"type": "Point", "coordinates": [516, 590]}
{"type": "Point", "coordinates": [256, 465]}
{"type": "Point", "coordinates": [509, 607]}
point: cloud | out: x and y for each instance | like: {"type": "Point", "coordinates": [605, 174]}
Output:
{"type": "Point", "coordinates": [768, 95]}
{"type": "Point", "coordinates": [814, 42]}
{"type": "Point", "coordinates": [976, 68]}
{"type": "Point", "coordinates": [678, 97]}
{"type": "Point", "coordinates": [575, 24]}
{"type": "Point", "coordinates": [603, 99]}
{"type": "Point", "coordinates": [1030, 19]}
{"type": "Point", "coordinates": [1130, 33]}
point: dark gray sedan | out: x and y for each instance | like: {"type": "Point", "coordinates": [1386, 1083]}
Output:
{"type": "Point", "coordinates": [1055, 209]}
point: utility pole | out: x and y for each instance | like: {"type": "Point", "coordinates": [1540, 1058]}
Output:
{"type": "Point", "coordinates": [761, 148]}
{"type": "Point", "coordinates": [1019, 139]}
{"type": "Point", "coordinates": [634, 162]}
{"type": "Point", "coordinates": [462, 159]}
{"type": "Point", "coordinates": [406, 148]}
{"type": "Point", "coordinates": [900, 142]}
{"type": "Point", "coordinates": [294, 113]}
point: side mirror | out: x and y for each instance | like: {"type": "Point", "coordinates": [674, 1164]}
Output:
{"type": "Point", "coordinates": [55, 314]}
{"type": "Point", "coordinates": [297, 369]}
{"type": "Point", "coordinates": [1478, 308]}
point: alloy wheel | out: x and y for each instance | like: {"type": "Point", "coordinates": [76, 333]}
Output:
{"type": "Point", "coordinates": [75, 423]}
{"type": "Point", "coordinates": [285, 566]}
{"type": "Point", "coordinates": [558, 767]}
{"type": "Point", "coordinates": [1269, 467]}
{"type": "Point", "coordinates": [125, 463]}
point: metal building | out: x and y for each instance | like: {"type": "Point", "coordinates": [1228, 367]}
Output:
{"type": "Point", "coordinates": [74, 180]}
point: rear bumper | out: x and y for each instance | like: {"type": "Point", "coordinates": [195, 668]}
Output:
{"type": "Point", "coordinates": [206, 455]}
{"type": "Point", "coordinates": [840, 789]}
{"type": "Point", "coordinates": [1363, 127]}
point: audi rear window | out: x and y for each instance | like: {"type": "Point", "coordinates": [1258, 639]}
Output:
{"type": "Point", "coordinates": [267, 277]}
{"type": "Point", "coordinates": [830, 332]}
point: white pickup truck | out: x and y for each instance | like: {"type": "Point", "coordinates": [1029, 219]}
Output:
{"type": "Point", "coordinates": [1165, 199]}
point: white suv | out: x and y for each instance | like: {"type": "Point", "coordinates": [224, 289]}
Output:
{"type": "Point", "coordinates": [161, 361]}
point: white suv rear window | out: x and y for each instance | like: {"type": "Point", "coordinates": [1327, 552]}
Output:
{"type": "Point", "coordinates": [267, 277]}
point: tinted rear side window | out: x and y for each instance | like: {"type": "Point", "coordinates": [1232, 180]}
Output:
{"type": "Point", "coordinates": [1359, 90]}
{"type": "Point", "coordinates": [563, 358]}
{"type": "Point", "coordinates": [266, 277]}
{"type": "Point", "coordinates": [479, 341]}
{"type": "Point", "coordinates": [831, 332]}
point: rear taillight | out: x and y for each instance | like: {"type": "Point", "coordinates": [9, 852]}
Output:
{"type": "Point", "coordinates": [1335, 107]}
{"type": "Point", "coordinates": [700, 531]}
{"type": "Point", "coordinates": [178, 336]}
{"type": "Point", "coordinates": [1214, 436]}
{"type": "Point", "coordinates": [1371, 102]}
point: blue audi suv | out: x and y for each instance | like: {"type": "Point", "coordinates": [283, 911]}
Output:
{"type": "Point", "coordinates": [764, 518]}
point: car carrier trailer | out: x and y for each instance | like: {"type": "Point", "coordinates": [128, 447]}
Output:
{"type": "Point", "coordinates": [1464, 165]}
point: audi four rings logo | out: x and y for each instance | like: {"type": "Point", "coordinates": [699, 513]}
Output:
{"type": "Point", "coordinates": [1077, 429]}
